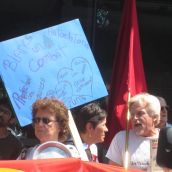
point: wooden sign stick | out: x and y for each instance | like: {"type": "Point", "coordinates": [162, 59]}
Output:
{"type": "Point", "coordinates": [76, 137]}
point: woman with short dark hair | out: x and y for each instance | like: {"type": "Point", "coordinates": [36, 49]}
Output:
{"type": "Point", "coordinates": [91, 124]}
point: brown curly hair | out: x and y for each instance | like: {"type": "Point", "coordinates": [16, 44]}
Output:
{"type": "Point", "coordinates": [58, 109]}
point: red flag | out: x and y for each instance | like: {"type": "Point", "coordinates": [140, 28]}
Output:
{"type": "Point", "coordinates": [128, 72]}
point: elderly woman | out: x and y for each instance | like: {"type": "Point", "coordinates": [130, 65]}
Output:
{"type": "Point", "coordinates": [91, 124]}
{"type": "Point", "coordinates": [50, 122]}
{"type": "Point", "coordinates": [145, 113]}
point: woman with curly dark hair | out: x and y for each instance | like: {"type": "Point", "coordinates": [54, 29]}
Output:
{"type": "Point", "coordinates": [50, 122]}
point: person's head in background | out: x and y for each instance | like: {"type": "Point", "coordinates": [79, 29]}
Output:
{"type": "Point", "coordinates": [50, 120]}
{"type": "Point", "coordinates": [145, 114]}
{"type": "Point", "coordinates": [91, 123]}
{"type": "Point", "coordinates": [164, 112]}
{"type": "Point", "coordinates": [5, 113]}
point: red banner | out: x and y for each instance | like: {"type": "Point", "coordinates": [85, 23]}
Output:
{"type": "Point", "coordinates": [128, 72]}
{"type": "Point", "coordinates": [59, 165]}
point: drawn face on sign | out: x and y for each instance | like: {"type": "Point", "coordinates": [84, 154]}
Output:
{"type": "Point", "coordinates": [79, 89]}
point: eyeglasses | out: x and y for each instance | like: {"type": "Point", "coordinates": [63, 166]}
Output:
{"type": "Point", "coordinates": [163, 108]}
{"type": "Point", "coordinates": [4, 111]}
{"type": "Point", "coordinates": [44, 120]}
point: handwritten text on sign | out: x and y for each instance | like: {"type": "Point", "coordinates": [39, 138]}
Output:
{"type": "Point", "coordinates": [57, 62]}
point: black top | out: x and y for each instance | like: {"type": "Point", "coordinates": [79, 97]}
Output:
{"type": "Point", "coordinates": [10, 147]}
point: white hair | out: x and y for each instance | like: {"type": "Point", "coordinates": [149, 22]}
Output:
{"type": "Point", "coordinates": [152, 104]}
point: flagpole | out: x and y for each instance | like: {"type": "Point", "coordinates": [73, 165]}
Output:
{"type": "Point", "coordinates": [126, 158]}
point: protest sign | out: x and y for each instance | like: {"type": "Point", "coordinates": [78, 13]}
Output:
{"type": "Point", "coordinates": [53, 62]}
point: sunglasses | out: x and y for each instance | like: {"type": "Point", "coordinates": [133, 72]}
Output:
{"type": "Point", "coordinates": [4, 111]}
{"type": "Point", "coordinates": [44, 120]}
{"type": "Point", "coordinates": [164, 108]}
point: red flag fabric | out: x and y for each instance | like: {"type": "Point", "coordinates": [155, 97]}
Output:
{"type": "Point", "coordinates": [59, 165]}
{"type": "Point", "coordinates": [128, 72]}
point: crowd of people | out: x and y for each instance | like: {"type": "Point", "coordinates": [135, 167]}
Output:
{"type": "Point", "coordinates": [50, 122]}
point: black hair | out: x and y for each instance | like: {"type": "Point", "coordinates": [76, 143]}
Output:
{"type": "Point", "coordinates": [92, 113]}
